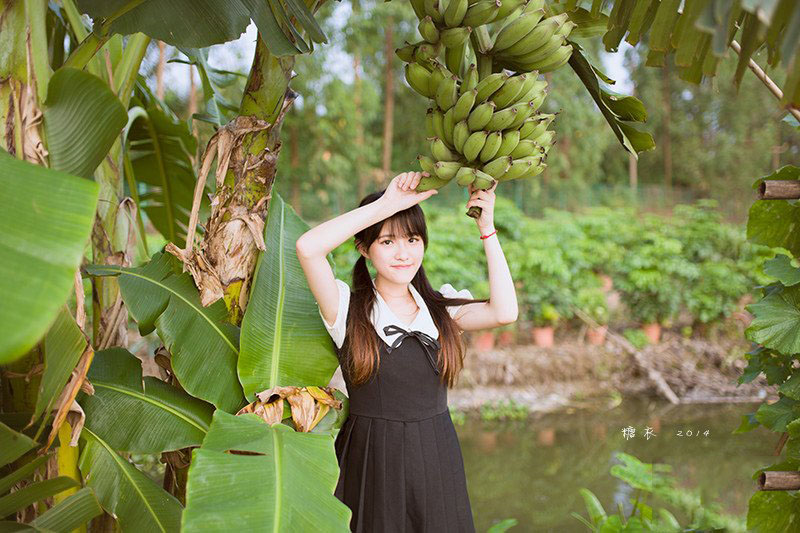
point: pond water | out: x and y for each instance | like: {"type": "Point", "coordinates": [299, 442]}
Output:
{"type": "Point", "coordinates": [532, 470]}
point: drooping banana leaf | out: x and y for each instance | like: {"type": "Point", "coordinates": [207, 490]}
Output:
{"type": "Point", "coordinates": [201, 23]}
{"type": "Point", "coordinates": [204, 346]}
{"type": "Point", "coordinates": [699, 32]}
{"type": "Point", "coordinates": [74, 511]}
{"type": "Point", "coordinates": [283, 341]}
{"type": "Point", "coordinates": [137, 503]}
{"type": "Point", "coordinates": [64, 344]}
{"type": "Point", "coordinates": [158, 417]}
{"type": "Point", "coordinates": [46, 218]}
{"type": "Point", "coordinates": [82, 118]}
{"type": "Point", "coordinates": [159, 147]}
{"type": "Point", "coordinates": [616, 109]}
{"type": "Point", "coordinates": [263, 492]}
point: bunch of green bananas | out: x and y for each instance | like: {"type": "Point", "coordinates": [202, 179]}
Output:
{"type": "Point", "coordinates": [530, 42]}
{"type": "Point", "coordinates": [481, 131]}
{"type": "Point", "coordinates": [484, 127]}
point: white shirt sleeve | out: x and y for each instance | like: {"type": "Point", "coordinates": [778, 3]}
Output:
{"type": "Point", "coordinates": [448, 291]}
{"type": "Point", "coordinates": [337, 329]}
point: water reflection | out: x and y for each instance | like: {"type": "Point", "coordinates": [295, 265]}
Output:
{"type": "Point", "coordinates": [532, 470]}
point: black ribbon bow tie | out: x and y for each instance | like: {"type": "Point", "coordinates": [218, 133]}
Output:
{"type": "Point", "coordinates": [429, 344]}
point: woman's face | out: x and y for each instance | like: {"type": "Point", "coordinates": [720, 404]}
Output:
{"type": "Point", "coordinates": [388, 252]}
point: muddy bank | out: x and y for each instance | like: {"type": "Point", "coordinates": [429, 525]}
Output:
{"type": "Point", "coordinates": [573, 373]}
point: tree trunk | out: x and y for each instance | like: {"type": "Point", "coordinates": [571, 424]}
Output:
{"type": "Point", "coordinates": [388, 112]}
{"type": "Point", "coordinates": [358, 118]}
{"type": "Point", "coordinates": [666, 142]}
{"type": "Point", "coordinates": [162, 61]}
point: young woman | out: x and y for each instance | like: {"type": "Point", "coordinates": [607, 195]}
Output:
{"type": "Point", "coordinates": [399, 346]}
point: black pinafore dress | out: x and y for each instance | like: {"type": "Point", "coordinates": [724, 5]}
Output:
{"type": "Point", "coordinates": [401, 468]}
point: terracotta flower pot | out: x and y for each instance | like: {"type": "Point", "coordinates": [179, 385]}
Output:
{"type": "Point", "coordinates": [653, 331]}
{"type": "Point", "coordinates": [543, 336]}
{"type": "Point", "coordinates": [505, 338]}
{"type": "Point", "coordinates": [596, 336]}
{"type": "Point", "coordinates": [484, 341]}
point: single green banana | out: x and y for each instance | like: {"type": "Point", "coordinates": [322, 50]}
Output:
{"type": "Point", "coordinates": [557, 60]}
{"type": "Point", "coordinates": [524, 110]}
{"type": "Point", "coordinates": [480, 116]}
{"type": "Point", "coordinates": [418, 78]}
{"type": "Point", "coordinates": [482, 180]}
{"type": "Point", "coordinates": [470, 79]}
{"type": "Point", "coordinates": [464, 105]}
{"type": "Point", "coordinates": [465, 176]}
{"type": "Point", "coordinates": [537, 37]}
{"type": "Point", "coordinates": [427, 52]}
{"type": "Point", "coordinates": [481, 12]}
{"type": "Point", "coordinates": [455, 12]}
{"type": "Point", "coordinates": [447, 93]}
{"type": "Point", "coordinates": [406, 53]}
{"type": "Point", "coordinates": [510, 141]}
{"type": "Point", "coordinates": [426, 164]}
{"type": "Point", "coordinates": [429, 123]}
{"type": "Point", "coordinates": [497, 167]}
{"type": "Point", "coordinates": [543, 52]}
{"type": "Point", "coordinates": [508, 7]}
{"type": "Point", "coordinates": [428, 30]}
{"type": "Point", "coordinates": [546, 139]}
{"type": "Point", "coordinates": [535, 126]}
{"type": "Point", "coordinates": [474, 145]}
{"type": "Point", "coordinates": [460, 135]}
{"type": "Point", "coordinates": [454, 58]}
{"type": "Point", "coordinates": [446, 170]}
{"type": "Point", "coordinates": [441, 152]}
{"type": "Point", "coordinates": [419, 8]}
{"type": "Point", "coordinates": [488, 85]}
{"type": "Point", "coordinates": [448, 124]}
{"type": "Point", "coordinates": [516, 30]}
{"type": "Point", "coordinates": [452, 37]}
{"type": "Point", "coordinates": [534, 159]}
{"type": "Point", "coordinates": [535, 170]}
{"type": "Point", "coordinates": [490, 147]}
{"type": "Point", "coordinates": [501, 119]}
{"type": "Point", "coordinates": [438, 122]}
{"type": "Point", "coordinates": [536, 103]}
{"type": "Point", "coordinates": [437, 75]}
{"type": "Point", "coordinates": [525, 148]}
{"type": "Point", "coordinates": [430, 182]}
{"type": "Point", "coordinates": [517, 169]}
{"type": "Point", "coordinates": [432, 10]}
{"type": "Point", "coordinates": [507, 94]}
{"type": "Point", "coordinates": [566, 28]}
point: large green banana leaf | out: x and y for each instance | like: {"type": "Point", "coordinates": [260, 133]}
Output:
{"type": "Point", "coordinates": [75, 510]}
{"type": "Point", "coordinates": [137, 503]}
{"type": "Point", "coordinates": [699, 33]}
{"type": "Point", "coordinates": [287, 486]}
{"type": "Point", "coordinates": [201, 23]}
{"type": "Point", "coordinates": [204, 346]}
{"type": "Point", "coordinates": [774, 222]}
{"type": "Point", "coordinates": [46, 221]}
{"type": "Point", "coordinates": [283, 341]}
{"type": "Point", "coordinates": [158, 417]}
{"type": "Point", "coordinates": [64, 344]}
{"type": "Point", "coordinates": [159, 148]}
{"type": "Point", "coordinates": [82, 118]}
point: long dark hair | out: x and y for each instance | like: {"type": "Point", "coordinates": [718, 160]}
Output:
{"type": "Point", "coordinates": [360, 344]}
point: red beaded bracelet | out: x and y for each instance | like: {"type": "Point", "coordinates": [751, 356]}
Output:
{"type": "Point", "coordinates": [487, 236]}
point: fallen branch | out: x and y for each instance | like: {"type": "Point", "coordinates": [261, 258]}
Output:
{"type": "Point", "coordinates": [653, 375]}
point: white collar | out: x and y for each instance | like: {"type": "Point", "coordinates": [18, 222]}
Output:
{"type": "Point", "coordinates": [383, 316]}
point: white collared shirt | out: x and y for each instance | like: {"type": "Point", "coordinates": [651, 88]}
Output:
{"type": "Point", "coordinates": [382, 316]}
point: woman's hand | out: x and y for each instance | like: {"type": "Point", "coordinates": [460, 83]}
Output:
{"type": "Point", "coordinates": [401, 194]}
{"type": "Point", "coordinates": [483, 198]}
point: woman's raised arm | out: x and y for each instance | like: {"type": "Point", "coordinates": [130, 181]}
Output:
{"type": "Point", "coordinates": [314, 245]}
